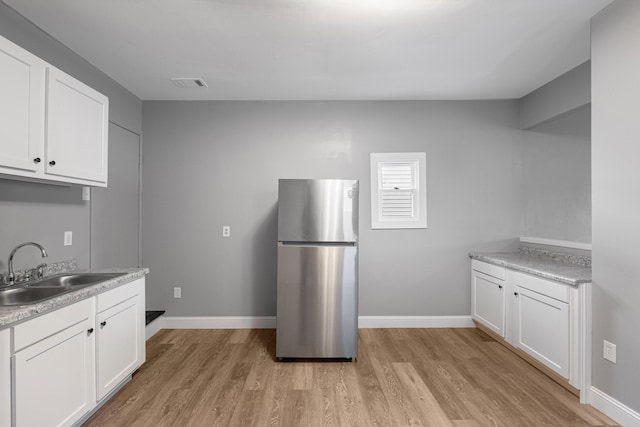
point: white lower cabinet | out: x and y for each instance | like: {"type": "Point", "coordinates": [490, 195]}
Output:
{"type": "Point", "coordinates": [5, 377]}
{"type": "Point", "coordinates": [55, 374]}
{"type": "Point", "coordinates": [542, 329]}
{"type": "Point", "coordinates": [545, 319]}
{"type": "Point", "coordinates": [66, 361]}
{"type": "Point", "coordinates": [119, 343]}
{"type": "Point", "coordinates": [488, 296]}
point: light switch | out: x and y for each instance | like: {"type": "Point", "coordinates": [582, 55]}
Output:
{"type": "Point", "coordinates": [609, 351]}
{"type": "Point", "coordinates": [68, 238]}
{"type": "Point", "coordinates": [86, 193]}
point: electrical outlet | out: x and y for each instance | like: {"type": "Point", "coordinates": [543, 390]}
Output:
{"type": "Point", "coordinates": [68, 238]}
{"type": "Point", "coordinates": [226, 231]}
{"type": "Point", "coordinates": [177, 292]}
{"type": "Point", "coordinates": [609, 351]}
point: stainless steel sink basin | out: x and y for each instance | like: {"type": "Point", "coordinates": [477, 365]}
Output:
{"type": "Point", "coordinates": [22, 296]}
{"type": "Point", "coordinates": [51, 286]}
{"type": "Point", "coordinates": [73, 280]}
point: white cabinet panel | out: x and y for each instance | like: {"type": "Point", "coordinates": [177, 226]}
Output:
{"type": "Point", "coordinates": [77, 128]}
{"type": "Point", "coordinates": [54, 378]}
{"type": "Point", "coordinates": [543, 329]}
{"type": "Point", "coordinates": [21, 110]}
{"type": "Point", "coordinates": [5, 378]}
{"type": "Point", "coordinates": [489, 269]}
{"type": "Point", "coordinates": [488, 299]}
{"type": "Point", "coordinates": [117, 345]}
{"type": "Point", "coordinates": [120, 345]}
{"type": "Point", "coordinates": [28, 333]}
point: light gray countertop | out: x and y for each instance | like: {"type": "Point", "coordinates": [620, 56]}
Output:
{"type": "Point", "coordinates": [14, 314]}
{"type": "Point", "coordinates": [564, 268]}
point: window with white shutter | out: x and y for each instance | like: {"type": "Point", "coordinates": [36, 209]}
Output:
{"type": "Point", "coordinates": [398, 190]}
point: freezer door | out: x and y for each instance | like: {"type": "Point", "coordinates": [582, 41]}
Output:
{"type": "Point", "coordinates": [317, 302]}
{"type": "Point", "coordinates": [317, 210]}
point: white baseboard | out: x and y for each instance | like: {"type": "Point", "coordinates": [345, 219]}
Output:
{"type": "Point", "coordinates": [617, 411]}
{"type": "Point", "coordinates": [560, 243]}
{"type": "Point", "coordinates": [153, 328]}
{"type": "Point", "coordinates": [415, 322]}
{"type": "Point", "coordinates": [269, 322]}
{"type": "Point", "coordinates": [224, 322]}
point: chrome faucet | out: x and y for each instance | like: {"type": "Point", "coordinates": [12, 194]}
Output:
{"type": "Point", "coordinates": [11, 278]}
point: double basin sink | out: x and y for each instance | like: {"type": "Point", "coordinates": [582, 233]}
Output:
{"type": "Point", "coordinates": [49, 287]}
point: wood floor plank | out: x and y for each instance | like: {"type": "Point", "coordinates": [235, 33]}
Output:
{"type": "Point", "coordinates": [302, 376]}
{"type": "Point", "coordinates": [456, 396]}
{"type": "Point", "coordinates": [348, 398]}
{"type": "Point", "coordinates": [431, 414]}
{"type": "Point", "coordinates": [272, 405]}
{"type": "Point", "coordinates": [262, 362]}
{"type": "Point", "coordinates": [373, 396]}
{"type": "Point", "coordinates": [403, 411]}
{"type": "Point", "coordinates": [402, 377]}
{"type": "Point", "coordinates": [239, 336]}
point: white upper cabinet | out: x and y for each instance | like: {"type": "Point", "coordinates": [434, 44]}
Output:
{"type": "Point", "coordinates": [77, 124]}
{"type": "Point", "coordinates": [52, 127]}
{"type": "Point", "coordinates": [22, 95]}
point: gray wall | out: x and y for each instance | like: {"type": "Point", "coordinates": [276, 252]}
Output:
{"type": "Point", "coordinates": [43, 212]}
{"type": "Point", "coordinates": [125, 109]}
{"type": "Point", "coordinates": [557, 178]}
{"type": "Point", "coordinates": [209, 164]}
{"type": "Point", "coordinates": [564, 95]}
{"type": "Point", "coordinates": [616, 198]}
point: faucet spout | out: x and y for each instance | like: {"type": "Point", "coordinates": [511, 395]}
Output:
{"type": "Point", "coordinates": [11, 277]}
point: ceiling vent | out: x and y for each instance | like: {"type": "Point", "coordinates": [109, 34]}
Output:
{"type": "Point", "coordinates": [188, 82]}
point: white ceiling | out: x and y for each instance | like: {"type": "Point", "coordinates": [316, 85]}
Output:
{"type": "Point", "coordinates": [323, 49]}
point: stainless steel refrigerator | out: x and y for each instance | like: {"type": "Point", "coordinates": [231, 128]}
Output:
{"type": "Point", "coordinates": [317, 313]}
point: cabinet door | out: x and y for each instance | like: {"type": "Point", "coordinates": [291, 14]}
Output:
{"type": "Point", "coordinates": [5, 378]}
{"type": "Point", "coordinates": [118, 344]}
{"type": "Point", "coordinates": [54, 378]}
{"type": "Point", "coordinates": [21, 110]}
{"type": "Point", "coordinates": [542, 329]}
{"type": "Point", "coordinates": [76, 134]}
{"type": "Point", "coordinates": [488, 302]}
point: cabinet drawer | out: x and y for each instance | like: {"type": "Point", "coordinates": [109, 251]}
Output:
{"type": "Point", "coordinates": [116, 296]}
{"type": "Point", "coordinates": [490, 269]}
{"type": "Point", "coordinates": [549, 288]}
{"type": "Point", "coordinates": [46, 325]}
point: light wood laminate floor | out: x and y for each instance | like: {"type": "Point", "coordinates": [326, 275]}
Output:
{"type": "Point", "coordinates": [402, 377]}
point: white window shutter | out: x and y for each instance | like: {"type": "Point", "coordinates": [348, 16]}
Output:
{"type": "Point", "coordinates": [398, 197]}
{"type": "Point", "coordinates": [396, 190]}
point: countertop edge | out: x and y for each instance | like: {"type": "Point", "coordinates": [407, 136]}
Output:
{"type": "Point", "coordinates": [492, 259]}
{"type": "Point", "coordinates": [10, 316]}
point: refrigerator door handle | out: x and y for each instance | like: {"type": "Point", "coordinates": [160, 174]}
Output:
{"type": "Point", "coordinates": [327, 244]}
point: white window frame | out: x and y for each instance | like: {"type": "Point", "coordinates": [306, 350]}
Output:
{"type": "Point", "coordinates": [418, 163]}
